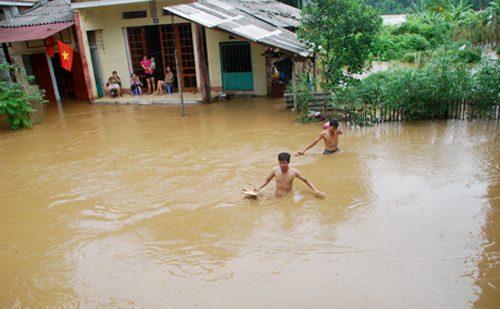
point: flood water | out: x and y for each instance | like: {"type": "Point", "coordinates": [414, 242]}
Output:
{"type": "Point", "coordinates": [126, 206]}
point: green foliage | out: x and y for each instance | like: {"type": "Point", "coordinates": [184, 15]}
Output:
{"type": "Point", "coordinates": [295, 3]}
{"type": "Point", "coordinates": [409, 58]}
{"type": "Point", "coordinates": [435, 91]}
{"type": "Point", "coordinates": [15, 102]}
{"type": "Point", "coordinates": [304, 96]}
{"type": "Point", "coordinates": [407, 6]}
{"type": "Point", "coordinates": [343, 32]}
{"type": "Point", "coordinates": [469, 55]}
{"type": "Point", "coordinates": [479, 27]}
{"type": "Point", "coordinates": [435, 26]}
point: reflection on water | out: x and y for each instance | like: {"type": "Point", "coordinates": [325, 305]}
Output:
{"type": "Point", "coordinates": [128, 206]}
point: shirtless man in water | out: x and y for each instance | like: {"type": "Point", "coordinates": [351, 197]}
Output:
{"type": "Point", "coordinates": [284, 177]}
{"type": "Point", "coordinates": [331, 137]}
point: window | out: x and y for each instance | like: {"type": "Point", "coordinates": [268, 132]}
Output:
{"type": "Point", "coordinates": [134, 14]}
{"type": "Point", "coordinates": [28, 66]}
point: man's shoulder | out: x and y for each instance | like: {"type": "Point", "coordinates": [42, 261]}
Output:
{"type": "Point", "coordinates": [328, 133]}
{"type": "Point", "coordinates": [323, 133]}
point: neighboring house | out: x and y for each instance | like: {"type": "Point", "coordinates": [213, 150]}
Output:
{"type": "Point", "coordinates": [25, 35]}
{"type": "Point", "coordinates": [221, 44]}
{"type": "Point", "coordinates": [7, 10]}
{"type": "Point", "coordinates": [14, 7]}
{"type": "Point", "coordinates": [239, 36]}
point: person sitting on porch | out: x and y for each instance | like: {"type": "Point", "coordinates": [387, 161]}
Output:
{"type": "Point", "coordinates": [135, 84]}
{"type": "Point", "coordinates": [167, 82]}
{"type": "Point", "coordinates": [114, 83]}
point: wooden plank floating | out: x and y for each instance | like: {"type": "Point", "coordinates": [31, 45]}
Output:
{"type": "Point", "coordinates": [317, 101]}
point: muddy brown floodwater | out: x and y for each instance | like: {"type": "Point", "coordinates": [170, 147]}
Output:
{"type": "Point", "coordinates": [124, 206]}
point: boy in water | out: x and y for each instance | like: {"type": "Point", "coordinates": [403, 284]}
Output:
{"type": "Point", "coordinates": [331, 137]}
{"type": "Point", "coordinates": [284, 177]}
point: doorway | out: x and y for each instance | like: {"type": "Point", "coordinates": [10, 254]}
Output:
{"type": "Point", "coordinates": [42, 73]}
{"type": "Point", "coordinates": [161, 42]}
{"type": "Point", "coordinates": [70, 84]}
{"type": "Point", "coordinates": [94, 57]}
{"type": "Point", "coordinates": [236, 62]}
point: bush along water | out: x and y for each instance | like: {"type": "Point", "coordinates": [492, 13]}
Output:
{"type": "Point", "coordinates": [15, 102]}
{"type": "Point", "coordinates": [434, 28]}
{"type": "Point", "coordinates": [304, 97]}
{"type": "Point", "coordinates": [444, 89]}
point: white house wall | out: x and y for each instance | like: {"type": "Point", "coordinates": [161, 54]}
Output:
{"type": "Point", "coordinates": [112, 50]}
{"type": "Point", "coordinates": [214, 38]}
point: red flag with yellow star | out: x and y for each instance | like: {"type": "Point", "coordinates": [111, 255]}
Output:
{"type": "Point", "coordinates": [66, 54]}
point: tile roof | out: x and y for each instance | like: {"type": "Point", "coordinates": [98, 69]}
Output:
{"type": "Point", "coordinates": [246, 19]}
{"type": "Point", "coordinates": [48, 12]}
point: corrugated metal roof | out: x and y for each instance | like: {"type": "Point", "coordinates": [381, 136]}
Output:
{"type": "Point", "coordinates": [17, 3]}
{"type": "Point", "coordinates": [99, 3]}
{"type": "Point", "coordinates": [223, 15]}
{"type": "Point", "coordinates": [57, 11]}
{"type": "Point", "coordinates": [19, 34]}
{"type": "Point", "coordinates": [274, 12]}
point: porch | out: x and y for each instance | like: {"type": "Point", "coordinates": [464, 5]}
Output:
{"type": "Point", "coordinates": [174, 98]}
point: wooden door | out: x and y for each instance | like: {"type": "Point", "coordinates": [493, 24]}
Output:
{"type": "Point", "coordinates": [78, 77]}
{"type": "Point", "coordinates": [42, 74]}
{"type": "Point", "coordinates": [137, 48]}
{"type": "Point", "coordinates": [180, 37]}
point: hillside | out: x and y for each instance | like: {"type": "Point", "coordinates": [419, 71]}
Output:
{"type": "Point", "coordinates": [403, 6]}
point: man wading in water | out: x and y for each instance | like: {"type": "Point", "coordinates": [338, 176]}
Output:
{"type": "Point", "coordinates": [284, 177]}
{"type": "Point", "coordinates": [331, 137]}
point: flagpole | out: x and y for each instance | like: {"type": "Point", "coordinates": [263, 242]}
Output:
{"type": "Point", "coordinates": [179, 83]}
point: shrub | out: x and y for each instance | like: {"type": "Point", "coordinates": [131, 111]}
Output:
{"type": "Point", "coordinates": [432, 92]}
{"type": "Point", "coordinates": [15, 101]}
{"type": "Point", "coordinates": [417, 42]}
{"type": "Point", "coordinates": [409, 58]}
{"type": "Point", "coordinates": [391, 54]}
{"type": "Point", "coordinates": [469, 55]}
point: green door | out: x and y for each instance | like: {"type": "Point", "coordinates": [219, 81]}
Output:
{"type": "Point", "coordinates": [97, 74]}
{"type": "Point", "coordinates": [94, 57]}
{"type": "Point", "coordinates": [236, 62]}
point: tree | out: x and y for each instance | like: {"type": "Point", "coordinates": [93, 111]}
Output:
{"type": "Point", "coordinates": [15, 101]}
{"type": "Point", "coordinates": [343, 34]}
{"type": "Point", "coordinates": [295, 3]}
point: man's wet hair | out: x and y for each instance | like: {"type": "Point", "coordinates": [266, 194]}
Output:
{"type": "Point", "coordinates": [284, 156]}
{"type": "Point", "coordinates": [334, 123]}
{"type": "Point", "coordinates": [114, 72]}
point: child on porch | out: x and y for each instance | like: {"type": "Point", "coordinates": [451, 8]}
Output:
{"type": "Point", "coordinates": [135, 83]}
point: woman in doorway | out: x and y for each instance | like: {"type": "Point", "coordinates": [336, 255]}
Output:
{"type": "Point", "coordinates": [148, 71]}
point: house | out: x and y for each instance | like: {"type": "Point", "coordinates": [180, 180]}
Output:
{"type": "Point", "coordinates": [221, 44]}
{"type": "Point", "coordinates": [23, 37]}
